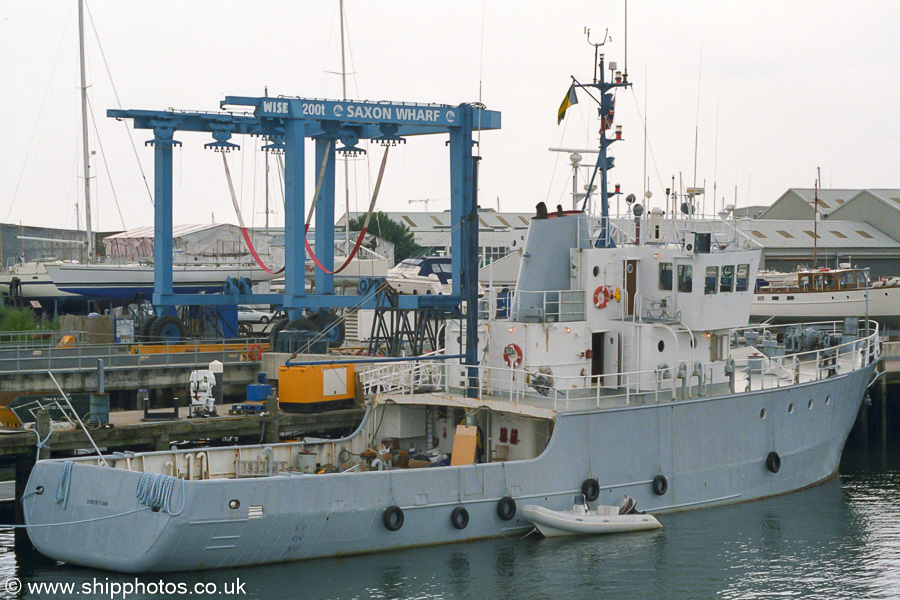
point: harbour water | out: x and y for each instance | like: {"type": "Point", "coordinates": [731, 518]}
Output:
{"type": "Point", "coordinates": [837, 540]}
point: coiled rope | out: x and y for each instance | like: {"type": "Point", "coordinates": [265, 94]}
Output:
{"type": "Point", "coordinates": [63, 483]}
{"type": "Point", "coordinates": [155, 490]}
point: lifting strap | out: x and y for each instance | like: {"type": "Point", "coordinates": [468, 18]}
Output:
{"type": "Point", "coordinates": [244, 232]}
{"type": "Point", "coordinates": [365, 227]}
{"type": "Point", "coordinates": [362, 233]}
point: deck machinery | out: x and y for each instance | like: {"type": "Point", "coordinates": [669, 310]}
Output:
{"type": "Point", "coordinates": [335, 127]}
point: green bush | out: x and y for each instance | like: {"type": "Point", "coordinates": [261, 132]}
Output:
{"type": "Point", "coordinates": [17, 319]}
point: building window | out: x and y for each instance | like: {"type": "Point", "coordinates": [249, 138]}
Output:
{"type": "Point", "coordinates": [685, 278]}
{"type": "Point", "coordinates": [712, 274]}
{"type": "Point", "coordinates": [665, 276]}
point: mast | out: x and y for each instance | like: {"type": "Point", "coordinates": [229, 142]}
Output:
{"type": "Point", "coordinates": [604, 162]}
{"type": "Point", "coordinates": [816, 225]}
{"type": "Point", "coordinates": [346, 159]}
{"type": "Point", "coordinates": [84, 137]}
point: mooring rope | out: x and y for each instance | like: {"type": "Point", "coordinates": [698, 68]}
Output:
{"type": "Point", "coordinates": [41, 443]}
{"type": "Point", "coordinates": [63, 483]}
{"type": "Point", "coordinates": [155, 490]}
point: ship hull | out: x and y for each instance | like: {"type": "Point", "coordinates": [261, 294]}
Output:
{"type": "Point", "coordinates": [712, 451]}
{"type": "Point", "coordinates": [123, 282]}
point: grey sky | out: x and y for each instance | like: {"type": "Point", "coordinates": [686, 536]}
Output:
{"type": "Point", "coordinates": [784, 87]}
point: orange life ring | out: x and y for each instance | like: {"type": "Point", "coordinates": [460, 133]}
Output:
{"type": "Point", "coordinates": [254, 352]}
{"type": "Point", "coordinates": [512, 354]}
{"type": "Point", "coordinates": [601, 302]}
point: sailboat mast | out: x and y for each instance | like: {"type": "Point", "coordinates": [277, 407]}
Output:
{"type": "Point", "coordinates": [84, 137]}
{"type": "Point", "coordinates": [346, 159]}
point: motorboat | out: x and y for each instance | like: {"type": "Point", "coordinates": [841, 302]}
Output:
{"type": "Point", "coordinates": [582, 520]}
{"type": "Point", "coordinates": [826, 294]}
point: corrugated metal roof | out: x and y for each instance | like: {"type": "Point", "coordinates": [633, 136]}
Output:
{"type": "Point", "coordinates": [425, 221]}
{"type": "Point", "coordinates": [829, 199]}
{"type": "Point", "coordinates": [832, 234]}
{"type": "Point", "coordinates": [177, 230]}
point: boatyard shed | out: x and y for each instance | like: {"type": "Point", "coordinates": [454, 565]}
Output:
{"type": "Point", "coordinates": [190, 242]}
{"type": "Point", "coordinates": [789, 243]}
{"type": "Point", "coordinates": [880, 208]}
{"type": "Point", "coordinates": [797, 203]}
{"type": "Point", "coordinates": [859, 226]}
{"type": "Point", "coordinates": [498, 233]}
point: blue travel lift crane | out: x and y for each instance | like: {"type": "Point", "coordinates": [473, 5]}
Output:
{"type": "Point", "coordinates": [286, 123]}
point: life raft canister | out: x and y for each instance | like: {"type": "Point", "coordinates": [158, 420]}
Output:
{"type": "Point", "coordinates": [512, 355]}
{"type": "Point", "coordinates": [602, 296]}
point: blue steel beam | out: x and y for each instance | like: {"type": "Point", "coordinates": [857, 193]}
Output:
{"type": "Point", "coordinates": [294, 213]}
{"type": "Point", "coordinates": [325, 215]}
{"type": "Point", "coordinates": [293, 120]}
{"type": "Point", "coordinates": [312, 301]}
{"type": "Point", "coordinates": [413, 119]}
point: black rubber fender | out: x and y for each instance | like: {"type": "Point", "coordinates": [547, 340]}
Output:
{"type": "Point", "coordinates": [459, 517]}
{"type": "Point", "coordinates": [591, 489]}
{"type": "Point", "coordinates": [506, 508]}
{"type": "Point", "coordinates": [660, 485]}
{"type": "Point", "coordinates": [773, 462]}
{"type": "Point", "coordinates": [392, 517]}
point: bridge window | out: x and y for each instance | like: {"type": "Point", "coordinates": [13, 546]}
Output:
{"type": "Point", "coordinates": [848, 280]}
{"type": "Point", "coordinates": [726, 284]}
{"type": "Point", "coordinates": [665, 276]}
{"type": "Point", "coordinates": [743, 275]}
{"type": "Point", "coordinates": [685, 278]}
{"type": "Point", "coordinates": [712, 274]}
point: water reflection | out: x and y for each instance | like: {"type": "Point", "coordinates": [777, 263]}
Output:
{"type": "Point", "coordinates": [837, 540]}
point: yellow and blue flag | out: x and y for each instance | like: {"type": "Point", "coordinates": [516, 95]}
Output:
{"type": "Point", "coordinates": [568, 101]}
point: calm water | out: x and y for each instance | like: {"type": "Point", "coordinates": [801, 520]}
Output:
{"type": "Point", "coordinates": [837, 540]}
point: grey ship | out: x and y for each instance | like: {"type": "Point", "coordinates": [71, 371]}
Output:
{"type": "Point", "coordinates": [627, 366]}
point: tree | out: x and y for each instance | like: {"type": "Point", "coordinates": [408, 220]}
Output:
{"type": "Point", "coordinates": [386, 228]}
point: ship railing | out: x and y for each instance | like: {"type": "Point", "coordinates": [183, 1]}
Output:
{"type": "Point", "coordinates": [404, 377]}
{"type": "Point", "coordinates": [687, 379]}
{"type": "Point", "coordinates": [548, 306]}
{"type": "Point", "coordinates": [771, 367]}
{"type": "Point", "coordinates": [661, 230]}
{"type": "Point", "coordinates": [540, 388]}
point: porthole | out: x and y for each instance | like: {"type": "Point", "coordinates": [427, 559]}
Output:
{"type": "Point", "coordinates": [828, 400]}
{"type": "Point", "coordinates": [596, 271]}
{"type": "Point", "coordinates": [661, 345]}
{"type": "Point", "coordinates": [791, 408]}
{"type": "Point", "coordinates": [762, 414]}
{"type": "Point", "coordinates": [810, 404]}
{"type": "Point", "coordinates": [630, 268]}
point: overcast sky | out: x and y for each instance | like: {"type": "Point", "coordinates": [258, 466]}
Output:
{"type": "Point", "coordinates": [776, 89]}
